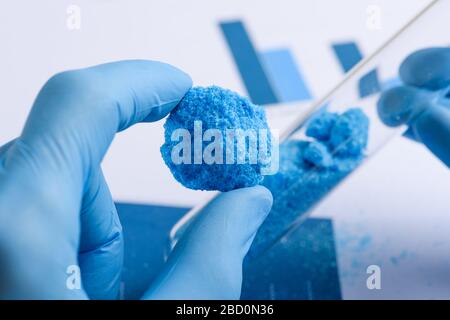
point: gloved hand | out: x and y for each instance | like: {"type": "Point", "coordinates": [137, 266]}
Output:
{"type": "Point", "coordinates": [56, 211]}
{"type": "Point", "coordinates": [423, 102]}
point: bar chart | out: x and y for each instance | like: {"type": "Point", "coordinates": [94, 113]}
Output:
{"type": "Point", "coordinates": [274, 76]}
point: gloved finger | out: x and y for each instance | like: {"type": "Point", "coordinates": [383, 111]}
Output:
{"type": "Point", "coordinates": [101, 245]}
{"type": "Point", "coordinates": [77, 113]}
{"type": "Point", "coordinates": [426, 112]}
{"type": "Point", "coordinates": [3, 150]}
{"type": "Point", "coordinates": [31, 230]}
{"type": "Point", "coordinates": [207, 261]}
{"type": "Point", "coordinates": [410, 134]}
{"type": "Point", "coordinates": [432, 128]}
{"type": "Point", "coordinates": [427, 68]}
{"type": "Point", "coordinates": [399, 105]}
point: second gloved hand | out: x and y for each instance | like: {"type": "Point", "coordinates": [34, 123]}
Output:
{"type": "Point", "coordinates": [423, 102]}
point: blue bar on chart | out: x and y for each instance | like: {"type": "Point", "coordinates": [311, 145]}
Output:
{"type": "Point", "coordinates": [301, 268]}
{"type": "Point", "coordinates": [369, 84]}
{"type": "Point", "coordinates": [247, 60]}
{"type": "Point", "coordinates": [284, 75]}
{"type": "Point", "coordinates": [348, 54]}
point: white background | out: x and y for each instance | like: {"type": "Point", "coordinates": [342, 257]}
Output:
{"type": "Point", "coordinates": [393, 212]}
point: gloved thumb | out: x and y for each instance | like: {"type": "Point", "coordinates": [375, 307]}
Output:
{"type": "Point", "coordinates": [426, 112]}
{"type": "Point", "coordinates": [207, 261]}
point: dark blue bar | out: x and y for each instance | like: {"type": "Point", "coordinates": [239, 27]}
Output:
{"type": "Point", "coordinates": [146, 236]}
{"type": "Point", "coordinates": [285, 75]}
{"type": "Point", "coordinates": [302, 268]}
{"type": "Point", "coordinates": [248, 63]}
{"type": "Point", "coordinates": [348, 54]}
{"type": "Point", "coordinates": [369, 84]}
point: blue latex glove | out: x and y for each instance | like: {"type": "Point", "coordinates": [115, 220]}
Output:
{"type": "Point", "coordinates": [423, 102]}
{"type": "Point", "coordinates": [56, 210]}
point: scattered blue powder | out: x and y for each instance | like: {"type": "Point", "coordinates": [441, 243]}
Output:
{"type": "Point", "coordinates": [310, 169]}
{"type": "Point", "coordinates": [220, 109]}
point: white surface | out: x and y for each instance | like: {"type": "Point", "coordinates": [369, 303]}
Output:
{"type": "Point", "coordinates": [399, 201]}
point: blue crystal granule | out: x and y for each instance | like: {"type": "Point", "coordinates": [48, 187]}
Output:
{"type": "Point", "coordinates": [211, 160]}
{"type": "Point", "coordinates": [310, 168]}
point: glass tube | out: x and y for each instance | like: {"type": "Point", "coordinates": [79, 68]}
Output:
{"type": "Point", "coordinates": [427, 29]}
